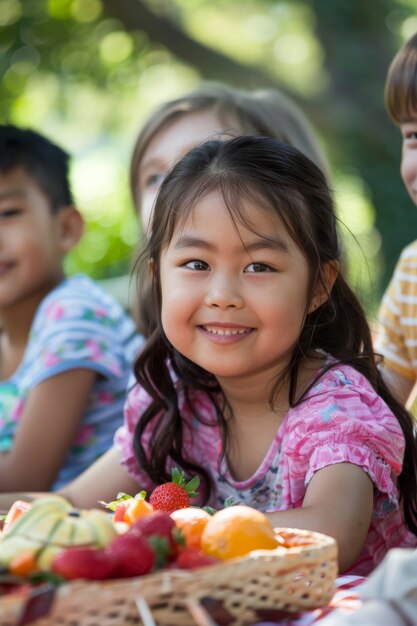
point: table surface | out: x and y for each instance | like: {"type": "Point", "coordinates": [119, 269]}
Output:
{"type": "Point", "coordinates": [346, 600]}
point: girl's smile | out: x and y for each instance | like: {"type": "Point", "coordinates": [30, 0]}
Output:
{"type": "Point", "coordinates": [225, 333]}
{"type": "Point", "coordinates": [233, 295]}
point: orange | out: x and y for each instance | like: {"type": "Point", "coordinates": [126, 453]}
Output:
{"type": "Point", "coordinates": [191, 521]}
{"type": "Point", "coordinates": [237, 530]}
{"type": "Point", "coordinates": [137, 509]}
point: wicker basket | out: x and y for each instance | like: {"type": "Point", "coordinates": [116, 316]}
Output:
{"type": "Point", "coordinates": [291, 579]}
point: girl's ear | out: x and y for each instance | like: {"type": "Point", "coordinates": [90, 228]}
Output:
{"type": "Point", "coordinates": [324, 287]}
{"type": "Point", "coordinates": [71, 228]}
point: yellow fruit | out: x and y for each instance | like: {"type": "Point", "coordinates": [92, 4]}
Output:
{"type": "Point", "coordinates": [50, 525]}
{"type": "Point", "coordinates": [191, 521]}
{"type": "Point", "coordinates": [235, 531]}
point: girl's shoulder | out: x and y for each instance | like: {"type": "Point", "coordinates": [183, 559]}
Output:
{"type": "Point", "coordinates": [342, 398]}
{"type": "Point", "coordinates": [335, 376]}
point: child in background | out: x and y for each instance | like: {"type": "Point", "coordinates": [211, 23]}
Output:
{"type": "Point", "coordinates": [211, 110]}
{"type": "Point", "coordinates": [260, 375]}
{"type": "Point", "coordinates": [396, 338]}
{"type": "Point", "coordinates": [66, 347]}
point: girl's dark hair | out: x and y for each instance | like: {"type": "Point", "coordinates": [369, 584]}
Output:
{"type": "Point", "coordinates": [291, 188]}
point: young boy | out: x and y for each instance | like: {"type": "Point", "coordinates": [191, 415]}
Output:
{"type": "Point", "coordinates": [396, 338]}
{"type": "Point", "coordinates": [66, 347]}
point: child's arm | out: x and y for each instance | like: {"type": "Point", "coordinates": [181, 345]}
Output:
{"type": "Point", "coordinates": [47, 428]}
{"type": "Point", "coordinates": [339, 503]}
{"type": "Point", "coordinates": [101, 481]}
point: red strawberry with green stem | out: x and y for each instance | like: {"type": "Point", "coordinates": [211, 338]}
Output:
{"type": "Point", "coordinates": [175, 495]}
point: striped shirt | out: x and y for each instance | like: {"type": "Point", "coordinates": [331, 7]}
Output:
{"type": "Point", "coordinates": [396, 338]}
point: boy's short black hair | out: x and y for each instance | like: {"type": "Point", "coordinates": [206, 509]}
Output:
{"type": "Point", "coordinates": [44, 161]}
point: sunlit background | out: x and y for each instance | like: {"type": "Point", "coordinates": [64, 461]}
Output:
{"type": "Point", "coordinates": [86, 74]}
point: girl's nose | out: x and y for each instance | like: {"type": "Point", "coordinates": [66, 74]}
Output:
{"type": "Point", "coordinates": [224, 297]}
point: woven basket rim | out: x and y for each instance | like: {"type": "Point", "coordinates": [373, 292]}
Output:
{"type": "Point", "coordinates": [322, 547]}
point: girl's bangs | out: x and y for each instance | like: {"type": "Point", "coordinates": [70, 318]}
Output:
{"type": "Point", "coordinates": [239, 196]}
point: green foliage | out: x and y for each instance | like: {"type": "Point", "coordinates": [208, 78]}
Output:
{"type": "Point", "coordinates": [83, 75]}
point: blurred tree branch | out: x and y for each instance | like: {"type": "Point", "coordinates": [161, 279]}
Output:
{"type": "Point", "coordinates": [213, 65]}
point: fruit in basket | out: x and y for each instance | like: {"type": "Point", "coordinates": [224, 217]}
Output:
{"type": "Point", "coordinates": [120, 510]}
{"type": "Point", "coordinates": [191, 521]}
{"type": "Point", "coordinates": [162, 533]}
{"type": "Point", "coordinates": [16, 510]}
{"type": "Point", "coordinates": [191, 558]}
{"type": "Point", "coordinates": [50, 525]}
{"type": "Point", "coordinates": [138, 507]}
{"type": "Point", "coordinates": [128, 508]}
{"type": "Point", "coordinates": [176, 494]}
{"type": "Point", "coordinates": [81, 562]}
{"type": "Point", "coordinates": [132, 554]}
{"type": "Point", "coordinates": [236, 531]}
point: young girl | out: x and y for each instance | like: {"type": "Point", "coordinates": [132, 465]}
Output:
{"type": "Point", "coordinates": [66, 347]}
{"type": "Point", "coordinates": [260, 376]}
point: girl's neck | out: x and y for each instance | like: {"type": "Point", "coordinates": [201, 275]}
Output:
{"type": "Point", "coordinates": [252, 424]}
{"type": "Point", "coordinates": [250, 398]}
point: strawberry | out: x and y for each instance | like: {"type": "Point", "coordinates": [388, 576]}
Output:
{"type": "Point", "coordinates": [190, 558]}
{"type": "Point", "coordinates": [133, 555]}
{"type": "Point", "coordinates": [174, 495]}
{"type": "Point", "coordinates": [80, 562]}
{"type": "Point", "coordinates": [120, 510]}
{"type": "Point", "coordinates": [162, 534]}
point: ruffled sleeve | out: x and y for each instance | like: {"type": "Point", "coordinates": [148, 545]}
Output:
{"type": "Point", "coordinates": [345, 421]}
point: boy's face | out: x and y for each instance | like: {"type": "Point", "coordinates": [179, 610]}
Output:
{"type": "Point", "coordinates": [409, 156]}
{"type": "Point", "coordinates": [30, 254]}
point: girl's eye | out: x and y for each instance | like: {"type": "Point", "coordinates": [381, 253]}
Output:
{"type": "Point", "coordinates": [196, 265]}
{"type": "Point", "coordinates": [411, 136]}
{"type": "Point", "coordinates": [258, 267]}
